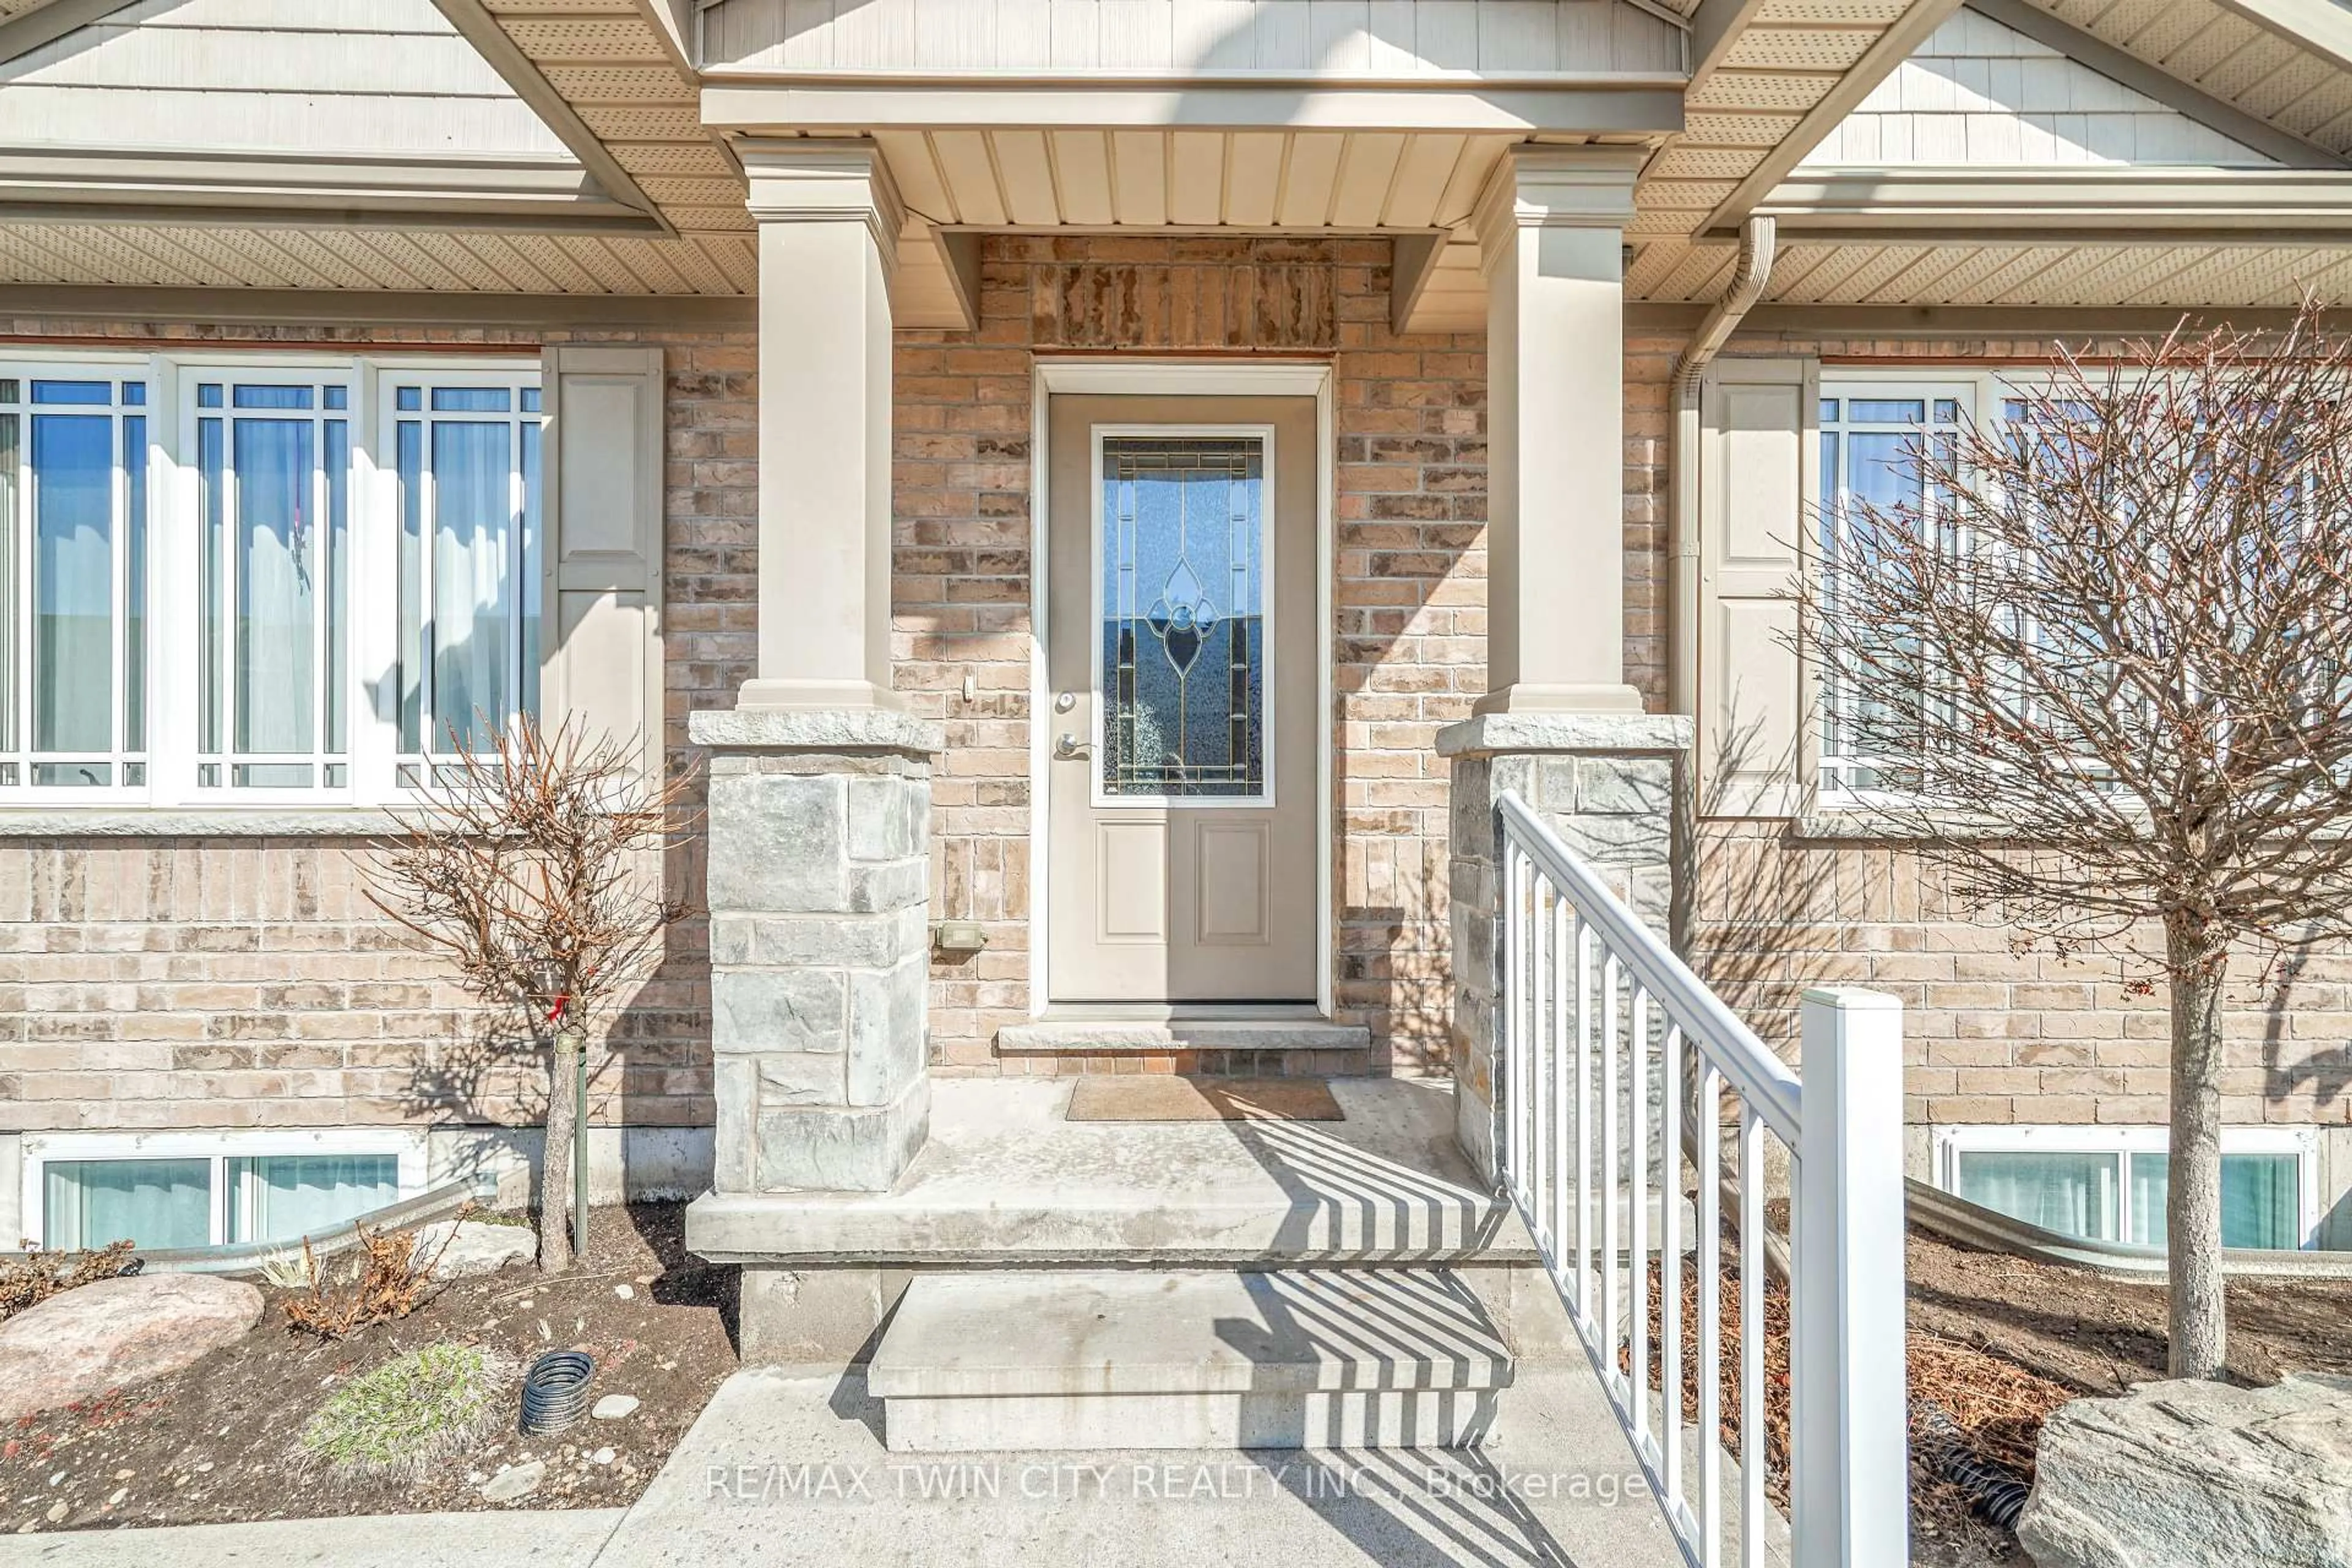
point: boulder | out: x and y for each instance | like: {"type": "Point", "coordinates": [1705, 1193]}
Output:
{"type": "Point", "coordinates": [2191, 1474]}
{"type": "Point", "coordinates": [475, 1248]}
{"type": "Point", "coordinates": [115, 1333]}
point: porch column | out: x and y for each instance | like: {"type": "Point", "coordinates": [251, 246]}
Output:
{"type": "Point", "coordinates": [820, 788]}
{"type": "Point", "coordinates": [1614, 787]}
{"type": "Point", "coordinates": [1550, 232]}
{"type": "Point", "coordinates": [829, 229]}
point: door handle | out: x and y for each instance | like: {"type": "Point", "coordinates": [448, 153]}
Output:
{"type": "Point", "coordinates": [1069, 746]}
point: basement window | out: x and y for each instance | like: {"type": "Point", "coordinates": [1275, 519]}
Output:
{"type": "Point", "coordinates": [176, 1190]}
{"type": "Point", "coordinates": [2110, 1183]}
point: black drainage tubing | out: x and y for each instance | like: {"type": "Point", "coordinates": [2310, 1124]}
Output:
{"type": "Point", "coordinates": [1994, 1490]}
{"type": "Point", "coordinates": [555, 1391]}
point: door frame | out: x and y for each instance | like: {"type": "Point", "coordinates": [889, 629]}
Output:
{"type": "Point", "coordinates": [1127, 376]}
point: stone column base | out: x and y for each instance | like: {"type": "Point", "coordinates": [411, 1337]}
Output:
{"type": "Point", "coordinates": [1608, 784]}
{"type": "Point", "coordinates": [819, 860]}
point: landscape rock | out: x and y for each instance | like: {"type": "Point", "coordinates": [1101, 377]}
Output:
{"type": "Point", "coordinates": [616, 1408]}
{"type": "Point", "coordinates": [115, 1333]}
{"type": "Point", "coordinates": [515, 1481]}
{"type": "Point", "coordinates": [2193, 1474]}
{"type": "Point", "coordinates": [475, 1249]}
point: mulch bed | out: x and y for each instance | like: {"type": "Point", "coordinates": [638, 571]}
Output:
{"type": "Point", "coordinates": [1999, 1342]}
{"type": "Point", "coordinates": [217, 1443]}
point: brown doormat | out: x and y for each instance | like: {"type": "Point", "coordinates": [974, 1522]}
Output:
{"type": "Point", "coordinates": [1160, 1097]}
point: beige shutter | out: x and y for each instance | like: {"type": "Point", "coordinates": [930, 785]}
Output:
{"type": "Point", "coordinates": [602, 507]}
{"type": "Point", "coordinates": [1759, 449]}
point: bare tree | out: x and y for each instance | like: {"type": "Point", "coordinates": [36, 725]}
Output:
{"type": "Point", "coordinates": [530, 870]}
{"type": "Point", "coordinates": [2098, 669]}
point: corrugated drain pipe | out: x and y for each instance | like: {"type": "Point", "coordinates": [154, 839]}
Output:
{"type": "Point", "coordinates": [1748, 280]}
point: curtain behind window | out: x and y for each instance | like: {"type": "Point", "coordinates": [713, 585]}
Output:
{"type": "Point", "coordinates": [473, 578]}
{"type": "Point", "coordinates": [2262, 1200]}
{"type": "Point", "coordinates": [280, 1198]}
{"type": "Point", "coordinates": [153, 1203]}
{"type": "Point", "coordinates": [2074, 1195]}
{"type": "Point", "coordinates": [277, 586]}
{"type": "Point", "coordinates": [73, 582]}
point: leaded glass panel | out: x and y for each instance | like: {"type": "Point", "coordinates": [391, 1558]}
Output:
{"type": "Point", "coordinates": [1184, 607]}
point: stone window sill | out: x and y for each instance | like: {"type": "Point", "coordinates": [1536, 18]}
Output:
{"type": "Point", "coordinates": [213, 822]}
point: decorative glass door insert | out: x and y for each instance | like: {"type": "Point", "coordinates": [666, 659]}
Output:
{"type": "Point", "coordinates": [1184, 593]}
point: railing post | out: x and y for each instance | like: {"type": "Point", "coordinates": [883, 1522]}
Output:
{"type": "Point", "coordinates": [1851, 1489]}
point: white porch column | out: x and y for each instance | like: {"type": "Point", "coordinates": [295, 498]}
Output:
{"type": "Point", "coordinates": [828, 223]}
{"type": "Point", "coordinates": [1550, 232]}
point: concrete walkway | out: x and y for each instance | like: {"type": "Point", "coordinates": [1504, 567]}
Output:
{"type": "Point", "coordinates": [539, 1539]}
{"type": "Point", "coordinates": [787, 1467]}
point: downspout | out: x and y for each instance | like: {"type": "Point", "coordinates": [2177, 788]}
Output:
{"type": "Point", "coordinates": [1748, 280]}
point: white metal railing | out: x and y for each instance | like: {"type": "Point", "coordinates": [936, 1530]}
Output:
{"type": "Point", "coordinates": [1616, 1067]}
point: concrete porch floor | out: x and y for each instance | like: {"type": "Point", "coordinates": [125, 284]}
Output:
{"type": "Point", "coordinates": [1005, 1180]}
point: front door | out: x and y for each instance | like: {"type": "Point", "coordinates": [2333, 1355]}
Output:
{"type": "Point", "coordinates": [1181, 654]}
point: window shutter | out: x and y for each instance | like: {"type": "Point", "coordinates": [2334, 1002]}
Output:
{"type": "Point", "coordinates": [602, 507]}
{"type": "Point", "coordinates": [1759, 455]}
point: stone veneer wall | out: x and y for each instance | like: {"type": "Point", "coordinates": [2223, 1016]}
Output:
{"type": "Point", "coordinates": [244, 981]}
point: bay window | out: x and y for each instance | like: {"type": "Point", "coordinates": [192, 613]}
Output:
{"type": "Point", "coordinates": [261, 579]}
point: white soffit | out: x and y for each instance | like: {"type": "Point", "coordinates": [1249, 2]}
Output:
{"type": "Point", "coordinates": [284, 256]}
{"type": "Point", "coordinates": [1853, 273]}
{"type": "Point", "coordinates": [1979, 94]}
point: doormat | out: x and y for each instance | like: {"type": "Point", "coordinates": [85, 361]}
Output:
{"type": "Point", "coordinates": [1162, 1097]}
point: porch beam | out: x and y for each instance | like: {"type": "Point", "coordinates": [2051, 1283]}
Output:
{"type": "Point", "coordinates": [1649, 104]}
{"type": "Point", "coordinates": [1412, 259]}
{"type": "Point", "coordinates": [1551, 234]}
{"type": "Point", "coordinates": [829, 223]}
{"type": "Point", "coordinates": [2032, 203]}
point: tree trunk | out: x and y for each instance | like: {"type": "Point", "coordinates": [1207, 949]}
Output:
{"type": "Point", "coordinates": [2197, 958]}
{"type": "Point", "coordinates": [555, 1156]}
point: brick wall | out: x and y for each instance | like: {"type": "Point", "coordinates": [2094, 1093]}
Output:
{"type": "Point", "coordinates": [239, 981]}
{"type": "Point", "coordinates": [1409, 584]}
{"type": "Point", "coordinates": [246, 981]}
{"type": "Point", "coordinates": [1997, 1032]}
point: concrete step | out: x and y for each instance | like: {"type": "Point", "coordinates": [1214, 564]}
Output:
{"type": "Point", "coordinates": [1033, 1361]}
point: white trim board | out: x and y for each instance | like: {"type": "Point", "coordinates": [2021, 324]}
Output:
{"type": "Point", "coordinates": [1133, 377]}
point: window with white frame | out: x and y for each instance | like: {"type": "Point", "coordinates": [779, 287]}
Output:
{"type": "Point", "coordinates": [2110, 1183]}
{"type": "Point", "coordinates": [73, 576]}
{"type": "Point", "coordinates": [261, 579]}
{"type": "Point", "coordinates": [1871, 433]}
{"type": "Point", "coordinates": [164, 1190]}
